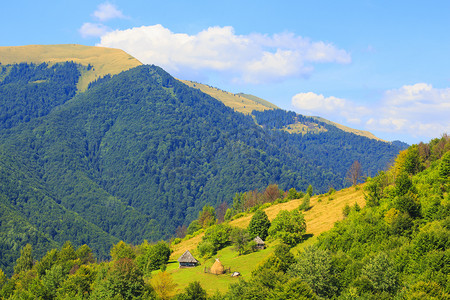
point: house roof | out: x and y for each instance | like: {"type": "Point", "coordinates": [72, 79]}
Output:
{"type": "Point", "coordinates": [259, 241]}
{"type": "Point", "coordinates": [187, 257]}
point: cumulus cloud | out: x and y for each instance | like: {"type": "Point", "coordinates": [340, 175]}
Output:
{"type": "Point", "coordinates": [418, 110]}
{"type": "Point", "coordinates": [313, 103]}
{"type": "Point", "coordinates": [107, 11]}
{"type": "Point", "coordinates": [93, 30]}
{"type": "Point", "coordinates": [253, 58]}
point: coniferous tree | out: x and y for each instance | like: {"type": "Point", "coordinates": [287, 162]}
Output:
{"type": "Point", "coordinates": [259, 224]}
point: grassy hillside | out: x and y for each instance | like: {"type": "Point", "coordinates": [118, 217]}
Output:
{"type": "Point", "coordinates": [351, 130]}
{"type": "Point", "coordinates": [325, 211]}
{"type": "Point", "coordinates": [103, 60]}
{"type": "Point", "coordinates": [239, 102]}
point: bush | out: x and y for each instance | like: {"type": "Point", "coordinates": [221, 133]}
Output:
{"type": "Point", "coordinates": [206, 249]}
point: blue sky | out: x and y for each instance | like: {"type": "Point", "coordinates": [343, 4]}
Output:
{"type": "Point", "coordinates": [381, 66]}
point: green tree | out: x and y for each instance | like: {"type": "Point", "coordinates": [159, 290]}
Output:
{"type": "Point", "coordinates": [164, 285]}
{"type": "Point", "coordinates": [403, 184]}
{"type": "Point", "coordinates": [152, 257]}
{"type": "Point", "coordinates": [381, 273]}
{"type": "Point", "coordinates": [193, 227]}
{"type": "Point", "coordinates": [122, 250]}
{"type": "Point", "coordinates": [194, 291]}
{"type": "Point", "coordinates": [413, 162]}
{"type": "Point", "coordinates": [309, 190]}
{"type": "Point", "coordinates": [259, 225]}
{"type": "Point", "coordinates": [288, 226]}
{"type": "Point", "coordinates": [444, 167]}
{"type": "Point", "coordinates": [240, 239]}
{"type": "Point", "coordinates": [295, 288]}
{"type": "Point", "coordinates": [77, 285]}
{"type": "Point", "coordinates": [25, 261]}
{"type": "Point", "coordinates": [283, 257]}
{"type": "Point", "coordinates": [314, 266]}
{"type": "Point", "coordinates": [2, 278]}
{"type": "Point", "coordinates": [218, 235]}
{"type": "Point", "coordinates": [305, 205]}
{"type": "Point", "coordinates": [207, 217]}
{"type": "Point", "coordinates": [125, 279]}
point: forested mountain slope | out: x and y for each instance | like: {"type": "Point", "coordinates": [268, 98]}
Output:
{"type": "Point", "coordinates": [140, 153]}
{"type": "Point", "coordinates": [396, 246]}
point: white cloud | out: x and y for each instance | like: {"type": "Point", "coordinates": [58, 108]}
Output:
{"type": "Point", "coordinates": [313, 103]}
{"type": "Point", "coordinates": [253, 58]}
{"type": "Point", "coordinates": [107, 11]}
{"type": "Point", "coordinates": [417, 110]}
{"type": "Point", "coordinates": [93, 30]}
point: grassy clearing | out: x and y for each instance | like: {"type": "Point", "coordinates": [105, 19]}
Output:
{"type": "Point", "coordinates": [244, 264]}
{"type": "Point", "coordinates": [104, 60]}
{"type": "Point", "coordinates": [351, 130]}
{"type": "Point", "coordinates": [238, 102]}
{"type": "Point", "coordinates": [324, 212]}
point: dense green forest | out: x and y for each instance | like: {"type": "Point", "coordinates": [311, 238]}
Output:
{"type": "Point", "coordinates": [139, 154]}
{"type": "Point", "coordinates": [396, 247]}
{"type": "Point", "coordinates": [29, 91]}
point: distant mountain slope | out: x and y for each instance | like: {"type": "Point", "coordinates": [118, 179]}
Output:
{"type": "Point", "coordinates": [100, 61]}
{"type": "Point", "coordinates": [103, 60]}
{"type": "Point", "coordinates": [246, 104]}
{"type": "Point", "coordinates": [239, 102]}
{"type": "Point", "coordinates": [258, 100]}
{"type": "Point", "coordinates": [140, 153]}
{"type": "Point", "coordinates": [352, 130]}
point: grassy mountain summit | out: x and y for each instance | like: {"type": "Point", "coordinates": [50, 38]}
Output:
{"type": "Point", "coordinates": [239, 102]}
{"type": "Point", "coordinates": [102, 60]}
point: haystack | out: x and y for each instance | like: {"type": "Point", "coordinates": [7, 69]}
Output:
{"type": "Point", "coordinates": [217, 268]}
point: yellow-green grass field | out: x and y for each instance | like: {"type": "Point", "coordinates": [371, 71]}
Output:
{"type": "Point", "coordinates": [104, 60]}
{"type": "Point", "coordinates": [239, 103]}
{"type": "Point", "coordinates": [324, 212]}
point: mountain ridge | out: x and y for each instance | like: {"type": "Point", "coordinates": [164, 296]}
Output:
{"type": "Point", "coordinates": [101, 61]}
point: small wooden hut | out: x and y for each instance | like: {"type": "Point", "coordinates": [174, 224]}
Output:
{"type": "Point", "coordinates": [260, 245]}
{"type": "Point", "coordinates": [217, 268]}
{"type": "Point", "coordinates": [187, 260]}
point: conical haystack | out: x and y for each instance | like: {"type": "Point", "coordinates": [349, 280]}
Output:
{"type": "Point", "coordinates": [217, 268]}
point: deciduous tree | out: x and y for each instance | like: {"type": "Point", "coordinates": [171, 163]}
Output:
{"type": "Point", "coordinates": [259, 225]}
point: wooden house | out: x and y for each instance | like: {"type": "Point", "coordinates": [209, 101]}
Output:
{"type": "Point", "coordinates": [260, 245]}
{"type": "Point", "coordinates": [187, 260]}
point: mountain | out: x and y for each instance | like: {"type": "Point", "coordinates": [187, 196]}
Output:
{"type": "Point", "coordinates": [99, 61]}
{"type": "Point", "coordinates": [139, 153]}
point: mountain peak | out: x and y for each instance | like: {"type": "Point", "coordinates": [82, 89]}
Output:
{"type": "Point", "coordinates": [102, 60]}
